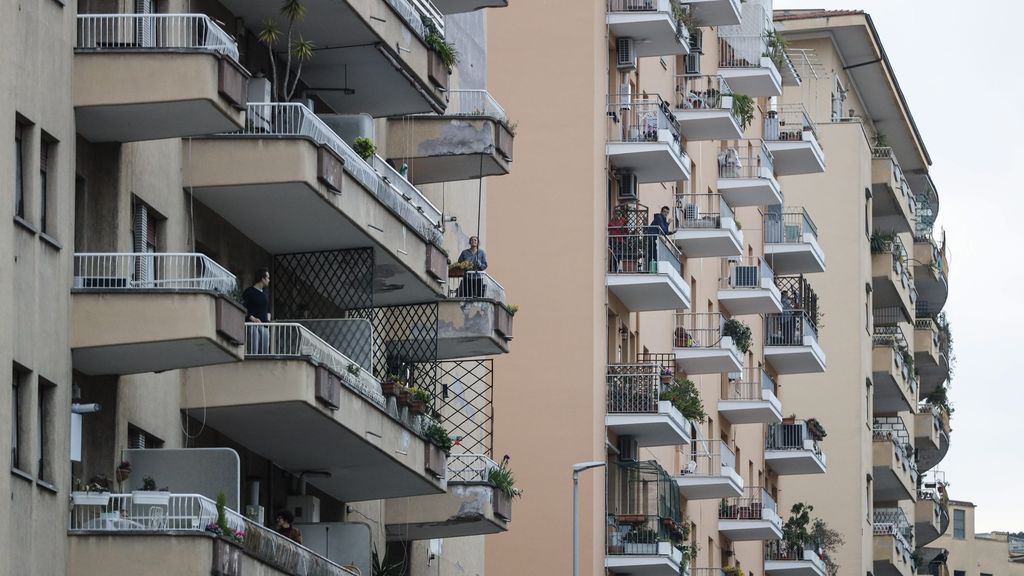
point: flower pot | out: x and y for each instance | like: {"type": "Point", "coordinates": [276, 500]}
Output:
{"type": "Point", "coordinates": [666, 379]}
{"type": "Point", "coordinates": [404, 398]}
{"type": "Point", "coordinates": [417, 406]}
{"type": "Point", "coordinates": [150, 498]}
{"type": "Point", "coordinates": [391, 388]}
{"type": "Point", "coordinates": [90, 498]}
{"type": "Point", "coordinates": [122, 474]}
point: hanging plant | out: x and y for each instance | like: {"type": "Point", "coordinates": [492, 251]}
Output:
{"type": "Point", "coordinates": [740, 334]}
{"type": "Point", "coordinates": [743, 109]}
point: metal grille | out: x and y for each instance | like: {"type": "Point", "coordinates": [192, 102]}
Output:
{"type": "Point", "coordinates": [405, 341]}
{"type": "Point", "coordinates": [463, 398]}
{"type": "Point", "coordinates": [323, 284]}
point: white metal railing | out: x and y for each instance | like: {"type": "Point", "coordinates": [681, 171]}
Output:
{"type": "Point", "coordinates": [413, 13]}
{"type": "Point", "coordinates": [704, 211]}
{"type": "Point", "coordinates": [748, 160]}
{"type": "Point", "coordinates": [390, 187]}
{"type": "Point", "coordinates": [788, 226]}
{"type": "Point", "coordinates": [646, 119]}
{"type": "Point", "coordinates": [752, 383]}
{"type": "Point", "coordinates": [747, 273]}
{"type": "Point", "coordinates": [475, 284]}
{"type": "Point", "coordinates": [470, 467]}
{"type": "Point", "coordinates": [153, 31]}
{"type": "Point", "coordinates": [98, 271]}
{"type": "Point", "coordinates": [289, 339]}
{"type": "Point", "coordinates": [741, 51]}
{"type": "Point", "coordinates": [474, 103]}
{"type": "Point", "coordinates": [755, 504]}
{"type": "Point", "coordinates": [789, 122]}
{"type": "Point", "coordinates": [779, 550]}
{"type": "Point", "coordinates": [194, 513]}
{"type": "Point", "coordinates": [640, 253]}
{"type": "Point", "coordinates": [795, 436]}
{"type": "Point", "coordinates": [704, 93]}
{"type": "Point", "coordinates": [698, 330]}
{"type": "Point", "coordinates": [640, 5]}
{"type": "Point", "coordinates": [706, 458]}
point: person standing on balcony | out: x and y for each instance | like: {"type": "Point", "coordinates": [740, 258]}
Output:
{"type": "Point", "coordinates": [257, 311]}
{"type": "Point", "coordinates": [285, 528]}
{"type": "Point", "coordinates": [659, 225]}
{"type": "Point", "coordinates": [473, 282]}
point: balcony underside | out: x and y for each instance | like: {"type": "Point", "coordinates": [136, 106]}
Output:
{"type": "Point", "coordinates": [889, 212]}
{"type": "Point", "coordinates": [666, 427]}
{"type": "Point", "coordinates": [133, 331]}
{"type": "Point", "coordinates": [271, 407]}
{"type": "Point", "coordinates": [792, 568]}
{"type": "Point", "coordinates": [716, 12]}
{"type": "Point", "coordinates": [927, 522]}
{"type": "Point", "coordinates": [462, 6]}
{"type": "Point", "coordinates": [708, 124]}
{"type": "Point", "coordinates": [794, 462]}
{"type": "Point", "coordinates": [929, 378]}
{"type": "Point", "coordinates": [762, 81]}
{"type": "Point", "coordinates": [889, 558]}
{"type": "Point", "coordinates": [891, 476]}
{"type": "Point", "coordinates": [707, 360]}
{"type": "Point", "coordinates": [273, 191]}
{"type": "Point", "coordinates": [793, 157]}
{"type": "Point", "coordinates": [806, 359]}
{"type": "Point", "coordinates": [890, 386]}
{"type": "Point", "coordinates": [151, 554]}
{"type": "Point", "coordinates": [654, 33]}
{"type": "Point", "coordinates": [470, 328]}
{"type": "Point", "coordinates": [709, 242]}
{"type": "Point", "coordinates": [931, 287]}
{"type": "Point", "coordinates": [749, 530]}
{"type": "Point", "coordinates": [181, 95]}
{"type": "Point", "coordinates": [744, 301]}
{"type": "Point", "coordinates": [446, 149]}
{"type": "Point", "coordinates": [650, 292]}
{"type": "Point", "coordinates": [929, 456]}
{"type": "Point", "coordinates": [464, 510]}
{"type": "Point", "coordinates": [704, 487]}
{"type": "Point", "coordinates": [768, 411]}
{"type": "Point", "coordinates": [795, 257]}
{"type": "Point", "coordinates": [650, 161]}
{"type": "Point", "coordinates": [739, 192]}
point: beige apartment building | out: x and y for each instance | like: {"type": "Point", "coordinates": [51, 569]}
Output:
{"type": "Point", "coordinates": [165, 403]}
{"type": "Point", "coordinates": [963, 552]}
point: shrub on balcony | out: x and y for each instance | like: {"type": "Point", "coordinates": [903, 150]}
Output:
{"type": "Point", "coordinates": [794, 531]}
{"type": "Point", "coordinates": [437, 435]}
{"type": "Point", "coordinates": [740, 334]}
{"type": "Point", "coordinates": [446, 51]}
{"type": "Point", "coordinates": [364, 147]}
{"type": "Point", "coordinates": [828, 542]}
{"type": "Point", "coordinates": [684, 395]}
{"type": "Point", "coordinates": [815, 429]}
{"type": "Point", "coordinates": [503, 479]}
{"type": "Point", "coordinates": [743, 109]}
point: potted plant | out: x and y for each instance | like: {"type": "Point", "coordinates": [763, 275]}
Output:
{"type": "Point", "coordinates": [404, 396]}
{"type": "Point", "coordinates": [149, 495]}
{"type": "Point", "coordinates": [458, 270]}
{"type": "Point", "coordinates": [505, 491]}
{"type": "Point", "coordinates": [685, 397]}
{"type": "Point", "coordinates": [123, 471]}
{"type": "Point", "coordinates": [96, 492]}
{"type": "Point", "coordinates": [392, 385]}
{"type": "Point", "coordinates": [666, 376]}
{"type": "Point", "coordinates": [419, 400]}
{"type": "Point", "coordinates": [740, 334]}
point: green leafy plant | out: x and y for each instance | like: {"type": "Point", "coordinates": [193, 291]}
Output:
{"type": "Point", "coordinates": [777, 48]}
{"type": "Point", "coordinates": [386, 566]}
{"type": "Point", "coordinates": [908, 359]}
{"type": "Point", "coordinates": [815, 429]}
{"type": "Point", "coordinates": [364, 147]}
{"type": "Point", "coordinates": [795, 531]}
{"type": "Point", "coordinates": [296, 48]}
{"type": "Point", "coordinates": [446, 51]}
{"type": "Point", "coordinates": [879, 139]}
{"type": "Point", "coordinates": [503, 479]}
{"type": "Point", "coordinates": [437, 434]}
{"type": "Point", "coordinates": [512, 308]}
{"type": "Point", "coordinates": [149, 484]}
{"type": "Point", "coordinates": [420, 394]}
{"type": "Point", "coordinates": [222, 515]}
{"type": "Point", "coordinates": [743, 109]}
{"type": "Point", "coordinates": [353, 369]}
{"type": "Point", "coordinates": [828, 543]}
{"type": "Point", "coordinates": [740, 334]}
{"type": "Point", "coordinates": [881, 243]}
{"type": "Point", "coordinates": [685, 396]}
{"type": "Point", "coordinates": [640, 534]}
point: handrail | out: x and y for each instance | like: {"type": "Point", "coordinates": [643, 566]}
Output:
{"type": "Point", "coordinates": [704, 212]}
{"type": "Point", "coordinates": [749, 159]}
{"type": "Point", "coordinates": [642, 119]}
{"type": "Point", "coordinates": [789, 122]}
{"type": "Point", "coordinates": [640, 252]}
{"type": "Point", "coordinates": [475, 285]}
{"type": "Point", "coordinates": [470, 468]}
{"type": "Point", "coordinates": [105, 271]}
{"type": "Point", "coordinates": [788, 226]}
{"type": "Point", "coordinates": [465, 102]}
{"type": "Point", "coordinates": [750, 384]}
{"type": "Point", "coordinates": [633, 388]}
{"type": "Point", "coordinates": [792, 436]}
{"type": "Point", "coordinates": [746, 273]}
{"type": "Point", "coordinates": [709, 92]}
{"type": "Point", "coordinates": [706, 458]}
{"type": "Point", "coordinates": [698, 330]}
{"type": "Point", "coordinates": [103, 32]}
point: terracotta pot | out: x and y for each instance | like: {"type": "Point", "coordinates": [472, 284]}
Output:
{"type": "Point", "coordinates": [404, 398]}
{"type": "Point", "coordinates": [390, 388]}
{"type": "Point", "coordinates": [417, 406]}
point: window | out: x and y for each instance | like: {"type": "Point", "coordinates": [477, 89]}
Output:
{"type": "Point", "coordinates": [959, 573]}
{"type": "Point", "coordinates": [19, 177]}
{"type": "Point", "coordinates": [19, 395]}
{"type": "Point", "coordinates": [44, 427]}
{"type": "Point", "coordinates": [867, 500]}
{"type": "Point", "coordinates": [46, 149]}
{"type": "Point", "coordinates": [958, 524]}
{"type": "Point", "coordinates": [867, 401]}
{"type": "Point", "coordinates": [139, 438]}
{"type": "Point", "coordinates": [867, 213]}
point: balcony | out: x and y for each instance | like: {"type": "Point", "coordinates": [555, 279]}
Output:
{"type": "Point", "coordinates": [747, 286]}
{"type": "Point", "coordinates": [753, 516]}
{"type": "Point", "coordinates": [707, 227]}
{"type": "Point", "coordinates": [635, 407]}
{"type": "Point", "coordinates": [748, 397]}
{"type": "Point", "coordinates": [471, 139]}
{"type": "Point", "coordinates": [155, 76]}
{"type": "Point", "coordinates": [791, 448]}
{"type": "Point", "coordinates": [931, 269]}
{"type": "Point", "coordinates": [792, 138]}
{"type": "Point", "coordinates": [931, 516]}
{"type": "Point", "coordinates": [705, 110]}
{"type": "Point", "coordinates": [644, 140]}
{"type": "Point", "coordinates": [791, 242]}
{"type": "Point", "coordinates": [892, 203]}
{"type": "Point", "coordinates": [372, 56]}
{"type": "Point", "coordinates": [782, 560]}
{"type": "Point", "coordinates": [892, 373]}
{"type": "Point", "coordinates": [291, 185]}
{"type": "Point", "coordinates": [463, 6]}
{"type": "Point", "coordinates": [894, 471]}
{"type": "Point", "coordinates": [701, 348]}
{"type": "Point", "coordinates": [472, 506]}
{"type": "Point", "coordinates": [643, 534]}
{"type": "Point", "coordinates": [639, 545]}
{"type": "Point", "coordinates": [791, 342]}
{"type": "Point", "coordinates": [893, 543]}
{"type": "Point", "coordinates": [652, 24]}
{"type": "Point", "coordinates": [122, 536]}
{"type": "Point", "coordinates": [891, 284]}
{"type": "Point", "coordinates": [931, 434]}
{"type": "Point", "coordinates": [295, 394]}
{"type": "Point", "coordinates": [746, 175]}
{"type": "Point", "coordinates": [931, 355]}
{"type": "Point", "coordinates": [716, 12]}
{"type": "Point", "coordinates": [743, 64]}
{"type": "Point", "coordinates": [134, 313]}
{"type": "Point", "coordinates": [708, 471]}
{"type": "Point", "coordinates": [644, 270]}
{"type": "Point", "coordinates": [474, 320]}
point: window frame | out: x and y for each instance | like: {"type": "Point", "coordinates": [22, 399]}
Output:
{"type": "Point", "coordinates": [19, 168]}
{"type": "Point", "coordinates": [960, 515]}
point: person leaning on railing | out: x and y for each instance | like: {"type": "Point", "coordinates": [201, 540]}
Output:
{"type": "Point", "coordinates": [472, 285]}
{"type": "Point", "coordinates": [257, 310]}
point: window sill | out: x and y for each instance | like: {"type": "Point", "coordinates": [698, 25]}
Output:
{"type": "Point", "coordinates": [25, 224]}
{"type": "Point", "coordinates": [46, 238]}
{"type": "Point", "coordinates": [47, 487]}
{"type": "Point", "coordinates": [18, 473]}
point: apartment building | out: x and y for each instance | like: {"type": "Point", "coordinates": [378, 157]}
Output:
{"type": "Point", "coordinates": [632, 314]}
{"type": "Point", "coordinates": [886, 338]}
{"type": "Point", "coordinates": [963, 552]}
{"type": "Point", "coordinates": [169, 158]}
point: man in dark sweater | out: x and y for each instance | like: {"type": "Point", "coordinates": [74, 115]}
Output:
{"type": "Point", "coordinates": [257, 311]}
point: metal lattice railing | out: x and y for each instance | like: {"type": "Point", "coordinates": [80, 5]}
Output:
{"type": "Point", "coordinates": [105, 32]}
{"type": "Point", "coordinates": [893, 522]}
{"type": "Point", "coordinates": [121, 514]}
{"type": "Point", "coordinates": [469, 468]}
{"type": "Point", "coordinates": [150, 271]}
{"type": "Point", "coordinates": [633, 388]}
{"type": "Point", "coordinates": [893, 430]}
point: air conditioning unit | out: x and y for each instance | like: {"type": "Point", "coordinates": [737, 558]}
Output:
{"type": "Point", "coordinates": [629, 449]}
{"type": "Point", "coordinates": [305, 508]}
{"type": "Point", "coordinates": [744, 277]}
{"type": "Point", "coordinates": [693, 64]}
{"type": "Point", "coordinates": [628, 186]}
{"type": "Point", "coordinates": [626, 50]}
{"type": "Point", "coordinates": [691, 212]}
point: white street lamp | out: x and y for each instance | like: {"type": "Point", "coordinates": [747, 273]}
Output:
{"type": "Point", "coordinates": [576, 469]}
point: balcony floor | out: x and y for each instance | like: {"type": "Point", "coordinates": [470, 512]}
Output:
{"type": "Point", "coordinates": [464, 510]}
{"type": "Point", "coordinates": [709, 242]}
{"type": "Point", "coordinates": [739, 192]}
{"type": "Point", "coordinates": [703, 487]}
{"type": "Point", "coordinates": [707, 360]}
{"type": "Point", "coordinates": [654, 32]}
{"type": "Point", "coordinates": [707, 124]}
{"type": "Point", "coordinates": [650, 161]}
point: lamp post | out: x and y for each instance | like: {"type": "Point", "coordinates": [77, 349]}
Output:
{"type": "Point", "coordinates": [576, 469]}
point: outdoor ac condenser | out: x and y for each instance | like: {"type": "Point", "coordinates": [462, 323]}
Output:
{"type": "Point", "coordinates": [305, 508]}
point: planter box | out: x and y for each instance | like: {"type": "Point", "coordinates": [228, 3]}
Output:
{"type": "Point", "coordinates": [435, 461]}
{"type": "Point", "coordinates": [391, 388]}
{"type": "Point", "coordinates": [417, 406]}
{"type": "Point", "coordinates": [404, 398]}
{"type": "Point", "coordinates": [502, 505]}
{"type": "Point", "coordinates": [437, 72]}
{"type": "Point", "coordinates": [150, 498]}
{"type": "Point", "coordinates": [90, 498]}
{"type": "Point", "coordinates": [456, 272]}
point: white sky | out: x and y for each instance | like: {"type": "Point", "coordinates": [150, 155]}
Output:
{"type": "Point", "coordinates": [960, 67]}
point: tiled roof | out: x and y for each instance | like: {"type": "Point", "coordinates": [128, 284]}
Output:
{"type": "Point", "coordinates": [812, 13]}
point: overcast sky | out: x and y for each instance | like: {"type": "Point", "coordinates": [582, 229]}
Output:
{"type": "Point", "coordinates": [960, 66]}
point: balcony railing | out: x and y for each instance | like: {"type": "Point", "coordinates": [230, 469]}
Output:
{"type": "Point", "coordinates": [470, 468]}
{"type": "Point", "coordinates": [475, 285]}
{"type": "Point", "coordinates": [414, 12]}
{"type": "Point", "coordinates": [892, 429]}
{"type": "Point", "coordinates": [702, 211]}
{"type": "Point", "coordinates": [747, 161]}
{"type": "Point", "coordinates": [939, 416]}
{"type": "Point", "coordinates": [893, 522]}
{"type": "Point", "coordinates": [741, 51]}
{"type": "Point", "coordinates": [750, 384]}
{"type": "Point", "coordinates": [789, 123]}
{"type": "Point", "coordinates": [150, 271]}
{"type": "Point", "coordinates": [893, 337]}
{"type": "Point", "coordinates": [105, 32]}
{"type": "Point", "coordinates": [185, 513]}
{"type": "Point", "coordinates": [779, 550]}
{"type": "Point", "coordinates": [630, 252]}
{"type": "Point", "coordinates": [747, 273]}
{"type": "Point", "coordinates": [634, 388]}
{"type": "Point", "coordinates": [791, 436]}
{"type": "Point", "coordinates": [698, 330]}
{"type": "Point", "coordinates": [474, 103]}
{"type": "Point", "coordinates": [788, 328]}
{"type": "Point", "coordinates": [290, 340]}
{"type": "Point", "coordinates": [647, 119]}
{"type": "Point", "coordinates": [704, 93]}
{"type": "Point", "coordinates": [634, 535]}
{"type": "Point", "coordinates": [706, 458]}
{"type": "Point", "coordinates": [902, 185]}
{"type": "Point", "coordinates": [383, 181]}
{"type": "Point", "coordinates": [756, 504]}
{"type": "Point", "coordinates": [790, 226]}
